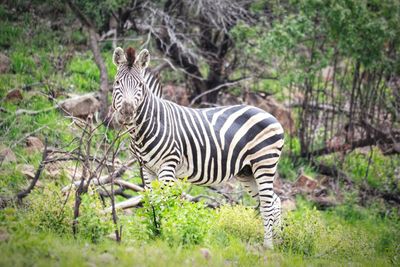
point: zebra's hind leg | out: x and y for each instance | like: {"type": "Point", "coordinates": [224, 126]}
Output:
{"type": "Point", "coordinates": [276, 202]}
{"type": "Point", "coordinates": [269, 201]}
{"type": "Point", "coordinates": [251, 187]}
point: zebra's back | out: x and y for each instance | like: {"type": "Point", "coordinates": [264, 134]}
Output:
{"type": "Point", "coordinates": [217, 143]}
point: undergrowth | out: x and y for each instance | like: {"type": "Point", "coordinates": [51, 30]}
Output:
{"type": "Point", "coordinates": [168, 223]}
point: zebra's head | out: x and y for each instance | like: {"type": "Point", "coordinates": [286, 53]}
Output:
{"type": "Point", "coordinates": [129, 87]}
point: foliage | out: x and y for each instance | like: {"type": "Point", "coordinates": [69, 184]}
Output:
{"type": "Point", "coordinates": [358, 235]}
{"type": "Point", "coordinates": [237, 222]}
{"type": "Point", "coordinates": [174, 219]}
{"type": "Point", "coordinates": [93, 225]}
{"type": "Point", "coordinates": [46, 211]}
{"type": "Point", "coordinates": [374, 168]}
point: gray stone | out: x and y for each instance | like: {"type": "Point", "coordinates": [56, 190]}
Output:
{"type": "Point", "coordinates": [81, 106]}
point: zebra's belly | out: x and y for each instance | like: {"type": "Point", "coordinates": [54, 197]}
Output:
{"type": "Point", "coordinates": [214, 172]}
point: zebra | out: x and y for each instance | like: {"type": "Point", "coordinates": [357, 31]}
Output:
{"type": "Point", "coordinates": [205, 146]}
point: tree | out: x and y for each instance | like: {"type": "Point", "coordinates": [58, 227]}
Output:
{"type": "Point", "coordinates": [192, 33]}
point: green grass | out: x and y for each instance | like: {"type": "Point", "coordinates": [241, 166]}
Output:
{"type": "Point", "coordinates": [40, 233]}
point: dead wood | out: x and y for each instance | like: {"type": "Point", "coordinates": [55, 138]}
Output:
{"type": "Point", "coordinates": [129, 203]}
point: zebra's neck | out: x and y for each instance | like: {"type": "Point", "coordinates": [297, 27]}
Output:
{"type": "Point", "coordinates": [152, 83]}
{"type": "Point", "coordinates": [146, 116]}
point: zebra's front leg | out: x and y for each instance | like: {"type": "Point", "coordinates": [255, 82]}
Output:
{"type": "Point", "coordinates": [148, 177]}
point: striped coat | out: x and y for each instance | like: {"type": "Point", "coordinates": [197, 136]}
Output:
{"type": "Point", "coordinates": [206, 146]}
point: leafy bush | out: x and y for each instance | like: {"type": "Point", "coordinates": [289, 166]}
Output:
{"type": "Point", "coordinates": [375, 169]}
{"type": "Point", "coordinates": [237, 222]}
{"type": "Point", "coordinates": [46, 212]}
{"type": "Point", "coordinates": [174, 219]}
{"type": "Point", "coordinates": [301, 232]}
{"type": "Point", "coordinates": [93, 225]}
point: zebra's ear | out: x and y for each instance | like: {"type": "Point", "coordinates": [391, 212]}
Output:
{"type": "Point", "coordinates": [143, 59]}
{"type": "Point", "coordinates": [119, 56]}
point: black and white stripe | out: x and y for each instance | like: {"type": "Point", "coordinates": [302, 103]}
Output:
{"type": "Point", "coordinates": [206, 146]}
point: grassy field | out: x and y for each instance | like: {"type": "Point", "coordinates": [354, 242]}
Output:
{"type": "Point", "coordinates": [46, 62]}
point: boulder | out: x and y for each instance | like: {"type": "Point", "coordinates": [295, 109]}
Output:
{"type": "Point", "coordinates": [81, 106]}
{"type": "Point", "coordinates": [34, 144]}
{"type": "Point", "coordinates": [288, 205]}
{"type": "Point", "coordinates": [14, 95]}
{"type": "Point", "coordinates": [270, 105]}
{"type": "Point", "coordinates": [305, 183]}
{"type": "Point", "coordinates": [7, 155]}
{"type": "Point", "coordinates": [5, 63]}
{"type": "Point", "coordinates": [27, 170]}
{"type": "Point", "coordinates": [176, 94]}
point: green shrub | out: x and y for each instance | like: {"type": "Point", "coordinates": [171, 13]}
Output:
{"type": "Point", "coordinates": [301, 232]}
{"type": "Point", "coordinates": [167, 215]}
{"type": "Point", "coordinates": [375, 169]}
{"type": "Point", "coordinates": [237, 222]}
{"type": "Point", "coordinates": [46, 211]}
{"type": "Point", "coordinates": [93, 225]}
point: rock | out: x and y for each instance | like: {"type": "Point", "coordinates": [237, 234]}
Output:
{"type": "Point", "coordinates": [7, 155]}
{"type": "Point", "coordinates": [206, 253]}
{"type": "Point", "coordinates": [81, 106]}
{"type": "Point", "coordinates": [288, 204]}
{"type": "Point", "coordinates": [27, 170]}
{"type": "Point", "coordinates": [34, 144]}
{"type": "Point", "coordinates": [305, 183]}
{"type": "Point", "coordinates": [270, 105]}
{"type": "Point", "coordinates": [14, 95]}
{"type": "Point", "coordinates": [39, 184]}
{"type": "Point", "coordinates": [54, 170]}
{"type": "Point", "coordinates": [176, 94]}
{"type": "Point", "coordinates": [5, 63]}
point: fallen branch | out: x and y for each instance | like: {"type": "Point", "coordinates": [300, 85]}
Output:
{"type": "Point", "coordinates": [128, 185]}
{"type": "Point", "coordinates": [34, 112]}
{"type": "Point", "coordinates": [129, 203]}
{"type": "Point", "coordinates": [107, 179]}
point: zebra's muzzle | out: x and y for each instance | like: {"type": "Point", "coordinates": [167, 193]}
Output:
{"type": "Point", "coordinates": [126, 113]}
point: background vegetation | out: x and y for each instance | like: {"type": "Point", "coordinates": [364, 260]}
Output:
{"type": "Point", "coordinates": [333, 66]}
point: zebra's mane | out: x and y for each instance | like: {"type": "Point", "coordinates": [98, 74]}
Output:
{"type": "Point", "coordinates": [152, 82]}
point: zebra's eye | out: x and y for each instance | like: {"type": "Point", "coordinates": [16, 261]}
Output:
{"type": "Point", "coordinates": [117, 83]}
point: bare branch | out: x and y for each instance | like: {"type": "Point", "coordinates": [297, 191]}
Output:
{"type": "Point", "coordinates": [26, 192]}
